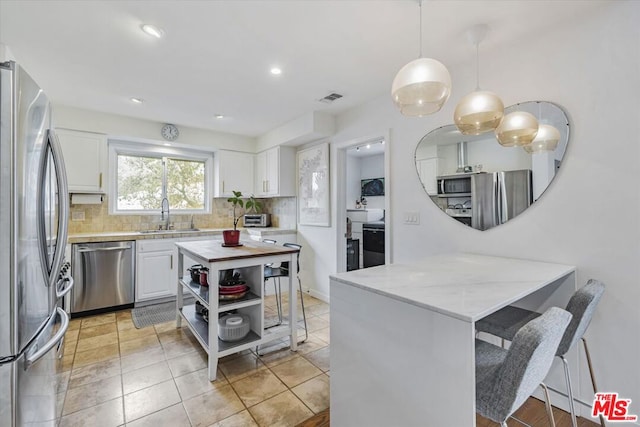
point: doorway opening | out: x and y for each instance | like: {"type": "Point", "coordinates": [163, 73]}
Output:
{"type": "Point", "coordinates": [363, 204]}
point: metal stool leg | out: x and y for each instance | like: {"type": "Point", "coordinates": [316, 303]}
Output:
{"type": "Point", "coordinates": [304, 315]}
{"type": "Point", "coordinates": [547, 404]}
{"type": "Point", "coordinates": [278, 302]}
{"type": "Point", "coordinates": [279, 296]}
{"type": "Point", "coordinates": [567, 378]}
{"type": "Point", "coordinates": [591, 374]}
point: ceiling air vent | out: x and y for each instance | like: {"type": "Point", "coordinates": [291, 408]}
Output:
{"type": "Point", "coordinates": [330, 98]}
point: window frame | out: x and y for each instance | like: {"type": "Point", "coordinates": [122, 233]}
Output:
{"type": "Point", "coordinates": [117, 148]}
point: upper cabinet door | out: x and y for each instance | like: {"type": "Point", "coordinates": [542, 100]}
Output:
{"type": "Point", "coordinates": [233, 171]}
{"type": "Point", "coordinates": [260, 185]}
{"type": "Point", "coordinates": [275, 172]}
{"type": "Point", "coordinates": [83, 154]}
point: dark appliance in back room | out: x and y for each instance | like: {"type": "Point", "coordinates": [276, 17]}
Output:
{"type": "Point", "coordinates": [373, 243]}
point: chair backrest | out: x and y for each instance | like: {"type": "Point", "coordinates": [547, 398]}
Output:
{"type": "Point", "coordinates": [582, 305]}
{"type": "Point", "coordinates": [299, 248]}
{"type": "Point", "coordinates": [527, 361]}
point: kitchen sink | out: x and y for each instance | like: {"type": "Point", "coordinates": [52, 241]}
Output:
{"type": "Point", "coordinates": [173, 230]}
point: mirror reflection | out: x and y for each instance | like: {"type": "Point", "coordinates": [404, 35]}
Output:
{"type": "Point", "coordinates": [482, 184]}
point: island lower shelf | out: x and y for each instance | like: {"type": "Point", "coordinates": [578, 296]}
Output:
{"type": "Point", "coordinates": [200, 329]}
{"type": "Point", "coordinates": [203, 296]}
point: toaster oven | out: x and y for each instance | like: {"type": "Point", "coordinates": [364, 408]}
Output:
{"type": "Point", "coordinates": [257, 220]}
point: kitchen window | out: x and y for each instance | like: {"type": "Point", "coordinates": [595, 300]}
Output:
{"type": "Point", "coordinates": [143, 175]}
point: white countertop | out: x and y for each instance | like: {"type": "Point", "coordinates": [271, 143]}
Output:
{"type": "Point", "coordinates": [464, 286]}
{"type": "Point", "coordinates": [136, 235]}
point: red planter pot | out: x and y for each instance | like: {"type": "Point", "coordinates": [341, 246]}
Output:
{"type": "Point", "coordinates": [231, 237]}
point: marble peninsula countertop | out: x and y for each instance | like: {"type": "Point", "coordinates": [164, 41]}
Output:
{"type": "Point", "coordinates": [464, 286]}
{"type": "Point", "coordinates": [114, 236]}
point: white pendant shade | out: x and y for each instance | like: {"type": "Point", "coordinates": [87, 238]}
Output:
{"type": "Point", "coordinates": [478, 112]}
{"type": "Point", "coordinates": [421, 87]}
{"type": "Point", "coordinates": [517, 128]}
{"type": "Point", "coordinates": [546, 140]}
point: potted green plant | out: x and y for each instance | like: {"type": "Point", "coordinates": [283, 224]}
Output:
{"type": "Point", "coordinates": [232, 237]}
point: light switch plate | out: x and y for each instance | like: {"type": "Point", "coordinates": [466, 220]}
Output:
{"type": "Point", "coordinates": [412, 218]}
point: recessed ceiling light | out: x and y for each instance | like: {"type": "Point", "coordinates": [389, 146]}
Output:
{"type": "Point", "coordinates": [276, 71]}
{"type": "Point", "coordinates": [152, 30]}
{"type": "Point", "coordinates": [137, 100]}
{"type": "Point", "coordinates": [219, 116]}
{"type": "Point", "coordinates": [368, 145]}
{"type": "Point", "coordinates": [167, 144]}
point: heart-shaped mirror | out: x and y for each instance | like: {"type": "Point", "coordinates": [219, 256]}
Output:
{"type": "Point", "coordinates": [483, 184]}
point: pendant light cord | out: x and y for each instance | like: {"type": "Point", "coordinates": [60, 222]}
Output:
{"type": "Point", "coordinates": [477, 66]}
{"type": "Point", "coordinates": [420, 8]}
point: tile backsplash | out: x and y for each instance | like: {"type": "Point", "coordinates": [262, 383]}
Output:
{"type": "Point", "coordinates": [96, 218]}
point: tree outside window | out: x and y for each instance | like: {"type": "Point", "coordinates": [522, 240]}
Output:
{"type": "Point", "coordinates": [143, 181]}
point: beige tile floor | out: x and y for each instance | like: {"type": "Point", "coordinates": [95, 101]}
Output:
{"type": "Point", "coordinates": [113, 374]}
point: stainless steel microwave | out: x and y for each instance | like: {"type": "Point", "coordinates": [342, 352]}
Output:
{"type": "Point", "coordinates": [454, 186]}
{"type": "Point", "coordinates": [257, 220]}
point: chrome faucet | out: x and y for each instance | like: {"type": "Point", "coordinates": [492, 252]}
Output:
{"type": "Point", "coordinates": [166, 226]}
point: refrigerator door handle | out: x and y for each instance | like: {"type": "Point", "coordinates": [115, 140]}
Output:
{"type": "Point", "coordinates": [504, 210]}
{"type": "Point", "coordinates": [497, 213]}
{"type": "Point", "coordinates": [33, 358]}
{"type": "Point", "coordinates": [68, 281]}
{"type": "Point", "coordinates": [63, 205]}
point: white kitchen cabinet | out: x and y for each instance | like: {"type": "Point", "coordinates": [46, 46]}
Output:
{"type": "Point", "coordinates": [156, 269]}
{"type": "Point", "coordinates": [233, 171]}
{"type": "Point", "coordinates": [84, 154]}
{"type": "Point", "coordinates": [428, 172]}
{"type": "Point", "coordinates": [275, 172]}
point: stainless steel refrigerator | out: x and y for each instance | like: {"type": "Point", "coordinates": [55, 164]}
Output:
{"type": "Point", "coordinates": [33, 232]}
{"type": "Point", "coordinates": [499, 196]}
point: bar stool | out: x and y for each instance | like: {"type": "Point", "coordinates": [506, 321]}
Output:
{"type": "Point", "coordinates": [505, 323]}
{"type": "Point", "coordinates": [505, 378]}
{"type": "Point", "coordinates": [275, 273]}
{"type": "Point", "coordinates": [268, 274]}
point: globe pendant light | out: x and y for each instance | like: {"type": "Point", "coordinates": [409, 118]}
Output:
{"type": "Point", "coordinates": [517, 128]}
{"type": "Point", "coordinates": [422, 86]}
{"type": "Point", "coordinates": [480, 111]}
{"type": "Point", "coordinates": [546, 140]}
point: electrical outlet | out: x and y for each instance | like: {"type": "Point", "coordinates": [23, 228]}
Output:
{"type": "Point", "coordinates": [77, 216]}
{"type": "Point", "coordinates": [411, 218]}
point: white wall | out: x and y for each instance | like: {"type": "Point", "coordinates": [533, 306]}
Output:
{"type": "Point", "coordinates": [591, 68]}
{"type": "Point", "coordinates": [122, 126]}
{"type": "Point", "coordinates": [353, 181]}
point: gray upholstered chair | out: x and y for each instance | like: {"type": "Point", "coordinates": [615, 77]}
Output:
{"type": "Point", "coordinates": [505, 378]}
{"type": "Point", "coordinates": [506, 322]}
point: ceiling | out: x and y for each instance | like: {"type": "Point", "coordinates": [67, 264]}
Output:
{"type": "Point", "coordinates": [215, 56]}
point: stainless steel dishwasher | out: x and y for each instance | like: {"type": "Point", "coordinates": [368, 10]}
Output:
{"type": "Point", "coordinates": [104, 275]}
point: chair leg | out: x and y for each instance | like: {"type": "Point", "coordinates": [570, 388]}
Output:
{"type": "Point", "coordinates": [591, 374]}
{"type": "Point", "coordinates": [547, 404]}
{"type": "Point", "coordinates": [304, 315]}
{"type": "Point", "coordinates": [567, 378]}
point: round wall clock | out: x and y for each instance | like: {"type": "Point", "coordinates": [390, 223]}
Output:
{"type": "Point", "coordinates": [170, 132]}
